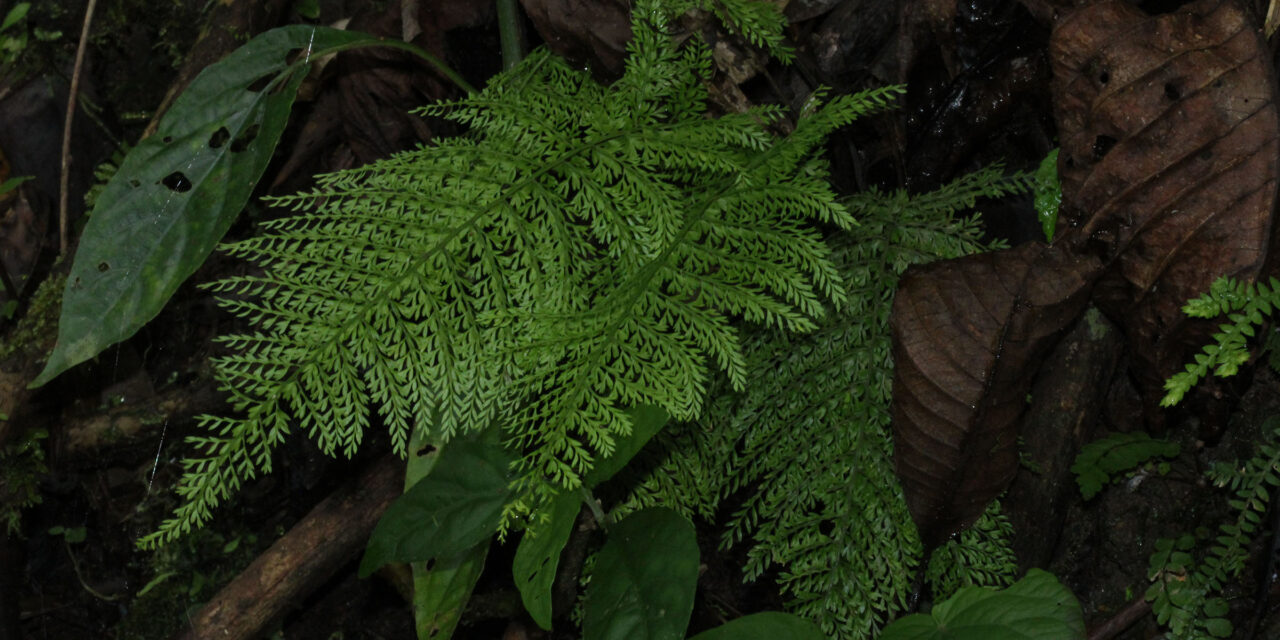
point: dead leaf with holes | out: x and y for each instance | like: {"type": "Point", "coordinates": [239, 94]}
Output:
{"type": "Point", "coordinates": [968, 336]}
{"type": "Point", "coordinates": [1169, 138]}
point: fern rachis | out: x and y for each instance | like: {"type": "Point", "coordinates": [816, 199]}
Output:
{"type": "Point", "coordinates": [583, 250]}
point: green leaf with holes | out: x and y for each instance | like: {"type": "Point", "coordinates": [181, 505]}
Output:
{"type": "Point", "coordinates": [178, 191]}
{"type": "Point", "coordinates": [455, 507]}
{"type": "Point", "coordinates": [644, 579]}
{"type": "Point", "coordinates": [538, 555]}
{"type": "Point", "coordinates": [1037, 607]}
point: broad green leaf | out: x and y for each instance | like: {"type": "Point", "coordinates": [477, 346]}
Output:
{"type": "Point", "coordinates": [178, 191]}
{"type": "Point", "coordinates": [538, 556]}
{"type": "Point", "coordinates": [441, 590]}
{"type": "Point", "coordinates": [644, 580]}
{"type": "Point", "coordinates": [1048, 194]}
{"type": "Point", "coordinates": [442, 587]}
{"type": "Point", "coordinates": [449, 511]}
{"type": "Point", "coordinates": [18, 12]}
{"type": "Point", "coordinates": [1037, 607]}
{"type": "Point", "coordinates": [646, 421]}
{"type": "Point", "coordinates": [767, 625]}
{"type": "Point", "coordinates": [1218, 627]}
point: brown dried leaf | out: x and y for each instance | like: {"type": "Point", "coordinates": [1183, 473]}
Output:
{"type": "Point", "coordinates": [968, 335]}
{"type": "Point", "coordinates": [1168, 164]}
{"type": "Point", "coordinates": [586, 32]}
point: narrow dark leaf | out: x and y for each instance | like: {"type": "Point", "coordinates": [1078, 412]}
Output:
{"type": "Point", "coordinates": [538, 556]}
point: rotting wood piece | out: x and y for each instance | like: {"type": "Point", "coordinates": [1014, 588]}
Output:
{"type": "Point", "coordinates": [307, 556]}
{"type": "Point", "coordinates": [1066, 401]}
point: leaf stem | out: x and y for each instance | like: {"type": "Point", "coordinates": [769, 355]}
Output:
{"type": "Point", "coordinates": [510, 34]}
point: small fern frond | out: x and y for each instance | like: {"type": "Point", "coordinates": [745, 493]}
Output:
{"type": "Point", "coordinates": [1246, 305]}
{"type": "Point", "coordinates": [980, 556]}
{"type": "Point", "coordinates": [1186, 595]}
{"type": "Point", "coordinates": [584, 249]}
{"type": "Point", "coordinates": [759, 23]}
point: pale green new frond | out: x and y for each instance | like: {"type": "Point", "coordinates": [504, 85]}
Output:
{"type": "Point", "coordinates": [583, 250]}
{"type": "Point", "coordinates": [804, 451]}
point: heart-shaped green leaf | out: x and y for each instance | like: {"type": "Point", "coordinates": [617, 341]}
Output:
{"type": "Point", "coordinates": [644, 580]}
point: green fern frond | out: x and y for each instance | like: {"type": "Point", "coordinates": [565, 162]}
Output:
{"type": "Point", "coordinates": [1246, 305]}
{"type": "Point", "coordinates": [805, 451]}
{"type": "Point", "coordinates": [981, 556]}
{"type": "Point", "coordinates": [759, 23]}
{"type": "Point", "coordinates": [582, 250]}
{"type": "Point", "coordinates": [1186, 595]}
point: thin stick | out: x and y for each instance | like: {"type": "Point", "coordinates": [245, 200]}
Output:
{"type": "Point", "coordinates": [66, 128]}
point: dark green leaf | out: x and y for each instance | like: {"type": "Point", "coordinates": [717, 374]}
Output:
{"type": "Point", "coordinates": [538, 556]}
{"type": "Point", "coordinates": [767, 625]}
{"type": "Point", "coordinates": [454, 508]}
{"type": "Point", "coordinates": [441, 592]}
{"type": "Point", "coordinates": [1036, 607]}
{"type": "Point", "coordinates": [646, 421]}
{"type": "Point", "coordinates": [178, 191]}
{"type": "Point", "coordinates": [539, 552]}
{"type": "Point", "coordinates": [644, 580]}
{"type": "Point", "coordinates": [1218, 627]}
{"type": "Point", "coordinates": [13, 183]}
{"type": "Point", "coordinates": [18, 12]}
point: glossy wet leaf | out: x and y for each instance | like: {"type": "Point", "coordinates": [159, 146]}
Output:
{"type": "Point", "coordinates": [1048, 194]}
{"type": "Point", "coordinates": [178, 191]}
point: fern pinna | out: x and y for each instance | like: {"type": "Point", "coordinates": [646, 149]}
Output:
{"type": "Point", "coordinates": [582, 250]}
{"type": "Point", "coordinates": [804, 452]}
